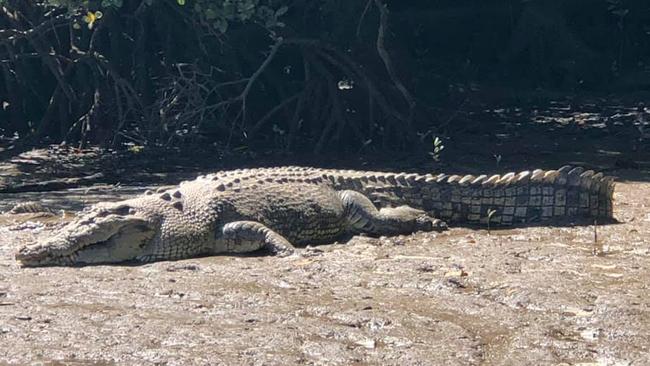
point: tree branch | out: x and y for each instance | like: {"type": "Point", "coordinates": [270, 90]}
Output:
{"type": "Point", "coordinates": [381, 49]}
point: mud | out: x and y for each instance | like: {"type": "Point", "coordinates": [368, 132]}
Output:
{"type": "Point", "coordinates": [537, 295]}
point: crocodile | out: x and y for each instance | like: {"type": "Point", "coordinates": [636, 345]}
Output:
{"type": "Point", "coordinates": [276, 208]}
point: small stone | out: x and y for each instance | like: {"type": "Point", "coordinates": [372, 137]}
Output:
{"type": "Point", "coordinates": [456, 272]}
{"type": "Point", "coordinates": [310, 251]}
{"type": "Point", "coordinates": [367, 343]}
{"type": "Point", "coordinates": [183, 267]}
{"type": "Point", "coordinates": [425, 268]}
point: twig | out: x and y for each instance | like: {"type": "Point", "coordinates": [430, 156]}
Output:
{"type": "Point", "coordinates": [351, 68]}
{"type": "Point", "coordinates": [344, 63]}
{"type": "Point", "coordinates": [361, 18]}
{"type": "Point", "coordinates": [13, 34]}
{"type": "Point", "coordinates": [54, 66]}
{"type": "Point", "coordinates": [244, 94]}
{"type": "Point", "coordinates": [336, 112]}
{"type": "Point", "coordinates": [381, 49]}
{"type": "Point", "coordinates": [120, 112]}
{"type": "Point", "coordinates": [229, 83]}
{"type": "Point", "coordinates": [260, 123]}
{"type": "Point", "coordinates": [295, 120]}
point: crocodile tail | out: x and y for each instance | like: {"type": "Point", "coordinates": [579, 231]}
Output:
{"type": "Point", "coordinates": [528, 196]}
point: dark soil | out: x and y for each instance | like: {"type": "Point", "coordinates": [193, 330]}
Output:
{"type": "Point", "coordinates": [533, 295]}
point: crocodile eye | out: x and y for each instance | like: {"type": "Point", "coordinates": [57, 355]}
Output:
{"type": "Point", "coordinates": [124, 210]}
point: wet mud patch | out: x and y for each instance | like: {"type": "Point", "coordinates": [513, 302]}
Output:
{"type": "Point", "coordinates": [535, 295]}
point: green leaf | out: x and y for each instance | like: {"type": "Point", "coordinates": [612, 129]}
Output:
{"type": "Point", "coordinates": [181, 2]}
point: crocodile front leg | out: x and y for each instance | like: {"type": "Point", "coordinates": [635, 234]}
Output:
{"type": "Point", "coordinates": [248, 236]}
{"type": "Point", "coordinates": [363, 217]}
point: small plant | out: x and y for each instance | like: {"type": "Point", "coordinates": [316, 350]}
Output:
{"type": "Point", "coordinates": [490, 213]}
{"type": "Point", "coordinates": [598, 248]}
{"type": "Point", "coordinates": [497, 158]}
{"type": "Point", "coordinates": [437, 148]}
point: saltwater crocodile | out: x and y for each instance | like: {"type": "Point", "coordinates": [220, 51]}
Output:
{"type": "Point", "coordinates": [274, 208]}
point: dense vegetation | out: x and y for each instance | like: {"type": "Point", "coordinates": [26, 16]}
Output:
{"type": "Point", "coordinates": [297, 75]}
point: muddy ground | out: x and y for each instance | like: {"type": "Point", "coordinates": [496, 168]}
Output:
{"type": "Point", "coordinates": [520, 296]}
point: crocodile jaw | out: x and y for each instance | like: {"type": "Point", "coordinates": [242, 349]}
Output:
{"type": "Point", "coordinates": [92, 239]}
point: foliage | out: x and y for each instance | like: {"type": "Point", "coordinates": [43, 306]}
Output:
{"type": "Point", "coordinates": [217, 13]}
{"type": "Point", "coordinates": [298, 75]}
{"type": "Point", "coordinates": [437, 149]}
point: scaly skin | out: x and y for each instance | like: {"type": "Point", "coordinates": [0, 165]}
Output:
{"type": "Point", "coordinates": [274, 208]}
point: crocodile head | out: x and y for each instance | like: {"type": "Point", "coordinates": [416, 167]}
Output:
{"type": "Point", "coordinates": [108, 232]}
